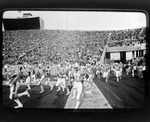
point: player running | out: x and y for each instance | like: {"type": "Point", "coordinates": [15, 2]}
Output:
{"type": "Point", "coordinates": [14, 86]}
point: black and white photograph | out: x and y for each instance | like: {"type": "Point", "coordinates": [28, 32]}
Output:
{"type": "Point", "coordinates": [74, 59]}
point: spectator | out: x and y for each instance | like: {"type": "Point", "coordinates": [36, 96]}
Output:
{"type": "Point", "coordinates": [144, 71]}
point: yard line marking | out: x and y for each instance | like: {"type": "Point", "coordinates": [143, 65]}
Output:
{"type": "Point", "coordinates": [116, 96]}
{"type": "Point", "coordinates": [107, 88]}
{"type": "Point", "coordinates": [101, 82]}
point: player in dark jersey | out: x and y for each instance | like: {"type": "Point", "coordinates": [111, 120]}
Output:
{"type": "Point", "coordinates": [49, 78]}
{"type": "Point", "coordinates": [14, 86]}
{"type": "Point", "coordinates": [43, 74]}
{"type": "Point", "coordinates": [90, 74]}
{"type": "Point", "coordinates": [98, 70]}
{"type": "Point", "coordinates": [89, 71]}
{"type": "Point", "coordinates": [68, 82]}
{"type": "Point", "coordinates": [71, 77]}
{"type": "Point", "coordinates": [33, 78]}
{"type": "Point", "coordinates": [61, 83]}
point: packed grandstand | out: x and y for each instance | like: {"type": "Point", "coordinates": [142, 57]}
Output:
{"type": "Point", "coordinates": [62, 45]}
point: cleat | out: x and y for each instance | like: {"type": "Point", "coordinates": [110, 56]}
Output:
{"type": "Point", "coordinates": [58, 89]}
{"type": "Point", "coordinates": [19, 106]}
{"type": "Point", "coordinates": [68, 93]}
{"type": "Point", "coordinates": [41, 91]}
{"type": "Point", "coordinates": [28, 88]}
{"type": "Point", "coordinates": [72, 98]}
{"type": "Point", "coordinates": [51, 88]}
{"type": "Point", "coordinates": [10, 96]}
{"type": "Point", "coordinates": [28, 94]}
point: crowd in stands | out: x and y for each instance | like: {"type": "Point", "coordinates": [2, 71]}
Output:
{"type": "Point", "coordinates": [127, 37]}
{"type": "Point", "coordinates": [49, 45]}
{"type": "Point", "coordinates": [60, 45]}
{"type": "Point", "coordinates": [128, 34]}
{"type": "Point", "coordinates": [126, 43]}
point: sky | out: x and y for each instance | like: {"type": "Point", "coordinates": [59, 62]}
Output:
{"type": "Point", "coordinates": [88, 20]}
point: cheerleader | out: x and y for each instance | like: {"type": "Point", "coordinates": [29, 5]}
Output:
{"type": "Point", "coordinates": [14, 86]}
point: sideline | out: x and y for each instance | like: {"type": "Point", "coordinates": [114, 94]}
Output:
{"type": "Point", "coordinates": [96, 101]}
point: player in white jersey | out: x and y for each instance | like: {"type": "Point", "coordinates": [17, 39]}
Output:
{"type": "Point", "coordinates": [128, 69]}
{"type": "Point", "coordinates": [76, 75]}
{"type": "Point", "coordinates": [98, 71]}
{"type": "Point", "coordinates": [118, 72]}
{"type": "Point", "coordinates": [134, 70]}
{"type": "Point", "coordinates": [28, 80]}
{"type": "Point", "coordinates": [105, 71]}
{"type": "Point", "coordinates": [78, 87]}
{"type": "Point", "coordinates": [42, 77]}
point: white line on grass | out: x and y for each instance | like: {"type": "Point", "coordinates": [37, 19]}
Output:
{"type": "Point", "coordinates": [107, 88]}
{"type": "Point", "coordinates": [116, 96]}
{"type": "Point", "coordinates": [101, 82]}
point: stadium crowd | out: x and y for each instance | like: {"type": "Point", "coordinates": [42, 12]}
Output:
{"type": "Point", "coordinates": [127, 37]}
{"type": "Point", "coordinates": [49, 45]}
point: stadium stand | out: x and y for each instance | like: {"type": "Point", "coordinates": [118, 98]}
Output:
{"type": "Point", "coordinates": [60, 45]}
